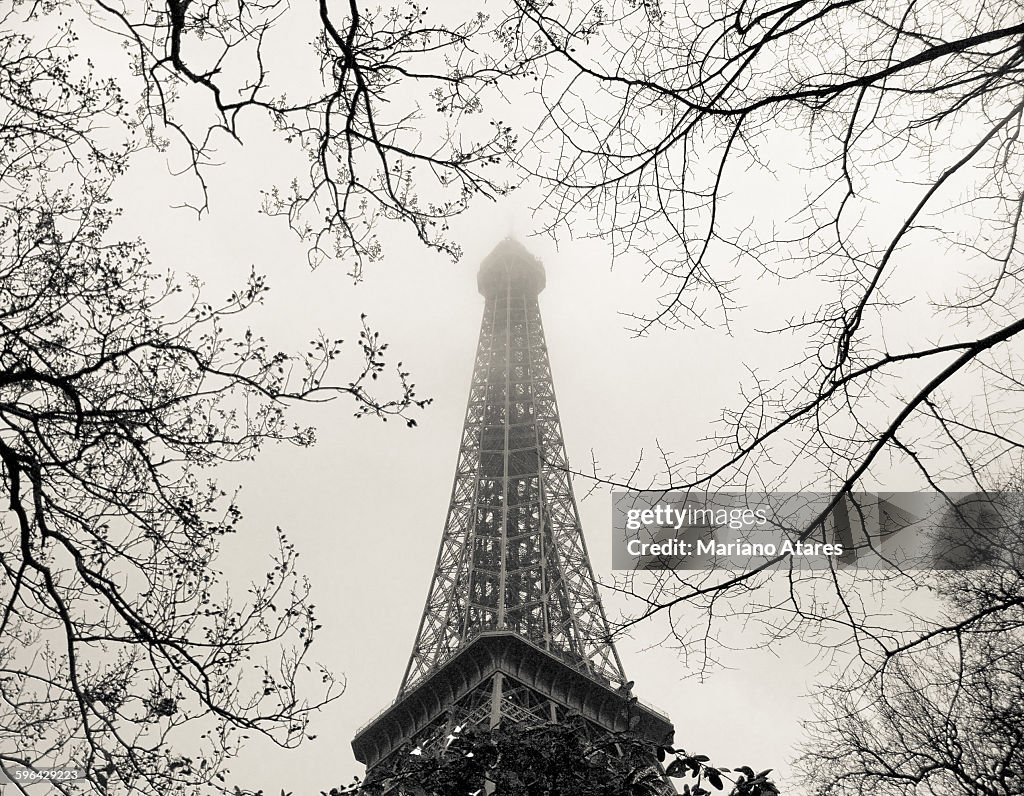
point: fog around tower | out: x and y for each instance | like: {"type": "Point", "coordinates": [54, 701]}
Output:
{"type": "Point", "coordinates": [368, 506]}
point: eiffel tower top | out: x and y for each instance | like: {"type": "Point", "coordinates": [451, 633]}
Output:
{"type": "Point", "coordinates": [510, 261]}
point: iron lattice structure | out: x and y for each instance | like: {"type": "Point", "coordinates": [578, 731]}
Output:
{"type": "Point", "coordinates": [513, 626]}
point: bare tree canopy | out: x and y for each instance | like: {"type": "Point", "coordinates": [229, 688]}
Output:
{"type": "Point", "coordinates": [884, 270]}
{"type": "Point", "coordinates": [945, 716]}
{"type": "Point", "coordinates": [118, 392]}
{"type": "Point", "coordinates": [368, 76]}
{"type": "Point", "coordinates": [123, 653]}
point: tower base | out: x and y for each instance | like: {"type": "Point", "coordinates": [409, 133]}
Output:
{"type": "Point", "coordinates": [501, 676]}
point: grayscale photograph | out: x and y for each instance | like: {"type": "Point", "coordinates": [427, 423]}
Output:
{"type": "Point", "coordinates": [513, 398]}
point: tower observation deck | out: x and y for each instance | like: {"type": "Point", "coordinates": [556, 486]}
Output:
{"type": "Point", "coordinates": [513, 627]}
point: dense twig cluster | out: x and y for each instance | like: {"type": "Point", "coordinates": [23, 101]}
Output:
{"type": "Point", "coordinates": [123, 653]}
{"type": "Point", "coordinates": [945, 714]}
{"type": "Point", "coordinates": [387, 116]}
{"type": "Point", "coordinates": [886, 135]}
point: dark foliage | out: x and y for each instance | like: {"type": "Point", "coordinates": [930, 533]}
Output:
{"type": "Point", "coordinates": [522, 760]}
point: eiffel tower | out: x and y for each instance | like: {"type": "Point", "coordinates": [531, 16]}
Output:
{"type": "Point", "coordinates": [513, 628]}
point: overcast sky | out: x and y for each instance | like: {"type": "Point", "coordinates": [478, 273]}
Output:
{"type": "Point", "coordinates": [367, 504]}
